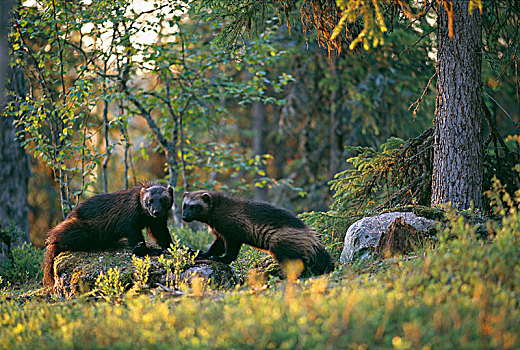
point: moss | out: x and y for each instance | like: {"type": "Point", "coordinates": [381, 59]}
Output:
{"type": "Point", "coordinates": [217, 275]}
{"type": "Point", "coordinates": [78, 271]}
{"type": "Point", "coordinates": [419, 210]}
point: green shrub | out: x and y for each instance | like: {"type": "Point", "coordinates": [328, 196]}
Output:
{"type": "Point", "coordinates": [141, 274]}
{"type": "Point", "coordinates": [24, 266]}
{"type": "Point", "coordinates": [109, 285]}
{"type": "Point", "coordinates": [247, 259]}
{"type": "Point", "coordinates": [398, 173]}
{"type": "Point", "coordinates": [330, 228]}
{"type": "Point", "coordinates": [175, 263]}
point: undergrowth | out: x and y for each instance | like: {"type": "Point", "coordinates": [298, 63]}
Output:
{"type": "Point", "coordinates": [23, 261]}
{"type": "Point", "coordinates": [464, 294]}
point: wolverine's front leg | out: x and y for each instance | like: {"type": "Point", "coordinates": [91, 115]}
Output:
{"type": "Point", "coordinates": [217, 249]}
{"type": "Point", "coordinates": [138, 245]}
{"type": "Point", "coordinates": [159, 232]}
{"type": "Point", "coordinates": [232, 250]}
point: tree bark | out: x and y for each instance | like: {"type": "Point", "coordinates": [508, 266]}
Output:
{"type": "Point", "coordinates": [14, 162]}
{"type": "Point", "coordinates": [4, 26]}
{"type": "Point", "coordinates": [458, 152]}
{"type": "Point", "coordinates": [14, 177]}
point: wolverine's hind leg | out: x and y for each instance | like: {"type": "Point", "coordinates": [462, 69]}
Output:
{"type": "Point", "coordinates": [68, 235]}
{"type": "Point", "coordinates": [284, 252]}
{"type": "Point", "coordinates": [48, 265]}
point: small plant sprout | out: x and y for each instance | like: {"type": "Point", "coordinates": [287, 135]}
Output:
{"type": "Point", "coordinates": [109, 285]}
{"type": "Point", "coordinates": [141, 272]}
{"type": "Point", "coordinates": [176, 263]}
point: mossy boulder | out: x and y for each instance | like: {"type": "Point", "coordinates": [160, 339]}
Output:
{"type": "Point", "coordinates": [419, 210]}
{"type": "Point", "coordinates": [76, 272]}
{"type": "Point", "coordinates": [216, 274]}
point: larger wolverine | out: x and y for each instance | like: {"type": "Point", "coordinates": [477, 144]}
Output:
{"type": "Point", "coordinates": [102, 220]}
{"type": "Point", "coordinates": [235, 221]}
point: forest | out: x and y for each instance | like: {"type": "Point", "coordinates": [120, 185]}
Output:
{"type": "Point", "coordinates": [384, 133]}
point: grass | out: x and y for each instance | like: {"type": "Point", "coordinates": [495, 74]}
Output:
{"type": "Point", "coordinates": [463, 294]}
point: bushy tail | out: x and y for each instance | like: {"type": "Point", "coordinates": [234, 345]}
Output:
{"type": "Point", "coordinates": [321, 262]}
{"type": "Point", "coordinates": [48, 265]}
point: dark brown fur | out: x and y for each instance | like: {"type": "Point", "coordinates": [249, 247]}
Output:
{"type": "Point", "coordinates": [236, 221]}
{"type": "Point", "coordinates": [101, 221]}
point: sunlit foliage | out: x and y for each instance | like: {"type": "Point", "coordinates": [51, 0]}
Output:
{"type": "Point", "coordinates": [463, 294]}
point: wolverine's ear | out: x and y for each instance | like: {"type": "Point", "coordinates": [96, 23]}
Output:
{"type": "Point", "coordinates": [206, 197]}
{"type": "Point", "coordinates": [170, 191]}
{"type": "Point", "coordinates": [184, 194]}
{"type": "Point", "coordinates": [142, 191]}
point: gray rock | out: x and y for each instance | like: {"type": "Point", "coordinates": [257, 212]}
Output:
{"type": "Point", "coordinates": [363, 235]}
{"type": "Point", "coordinates": [216, 274]}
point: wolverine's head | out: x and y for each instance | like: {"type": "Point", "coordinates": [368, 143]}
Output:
{"type": "Point", "coordinates": [195, 205]}
{"type": "Point", "coordinates": [157, 200]}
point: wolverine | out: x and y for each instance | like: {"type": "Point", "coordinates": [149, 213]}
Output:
{"type": "Point", "coordinates": [235, 221]}
{"type": "Point", "coordinates": [101, 221]}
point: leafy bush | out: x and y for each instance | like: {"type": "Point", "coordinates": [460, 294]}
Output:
{"type": "Point", "coordinates": [141, 273]}
{"type": "Point", "coordinates": [109, 285]}
{"type": "Point", "coordinates": [177, 262]}
{"type": "Point", "coordinates": [331, 228]}
{"type": "Point", "coordinates": [24, 266]}
{"type": "Point", "coordinates": [196, 239]}
{"type": "Point", "coordinates": [398, 174]}
{"type": "Point", "coordinates": [248, 259]}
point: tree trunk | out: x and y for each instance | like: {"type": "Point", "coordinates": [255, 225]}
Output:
{"type": "Point", "coordinates": [457, 163]}
{"type": "Point", "coordinates": [14, 177]}
{"type": "Point", "coordinates": [259, 147]}
{"type": "Point", "coordinates": [14, 165]}
{"type": "Point", "coordinates": [4, 28]}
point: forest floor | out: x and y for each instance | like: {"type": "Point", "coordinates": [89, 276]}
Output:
{"type": "Point", "coordinates": [464, 293]}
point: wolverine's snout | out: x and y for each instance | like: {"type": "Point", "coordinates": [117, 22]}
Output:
{"type": "Point", "coordinates": [186, 217]}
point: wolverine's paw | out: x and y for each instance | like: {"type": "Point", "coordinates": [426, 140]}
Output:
{"type": "Point", "coordinates": [207, 260]}
{"type": "Point", "coordinates": [192, 251]}
{"type": "Point", "coordinates": [141, 250]}
{"type": "Point", "coordinates": [214, 258]}
{"type": "Point", "coordinates": [201, 256]}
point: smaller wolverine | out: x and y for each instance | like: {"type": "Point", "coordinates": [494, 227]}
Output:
{"type": "Point", "coordinates": [234, 221]}
{"type": "Point", "coordinates": [102, 220]}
